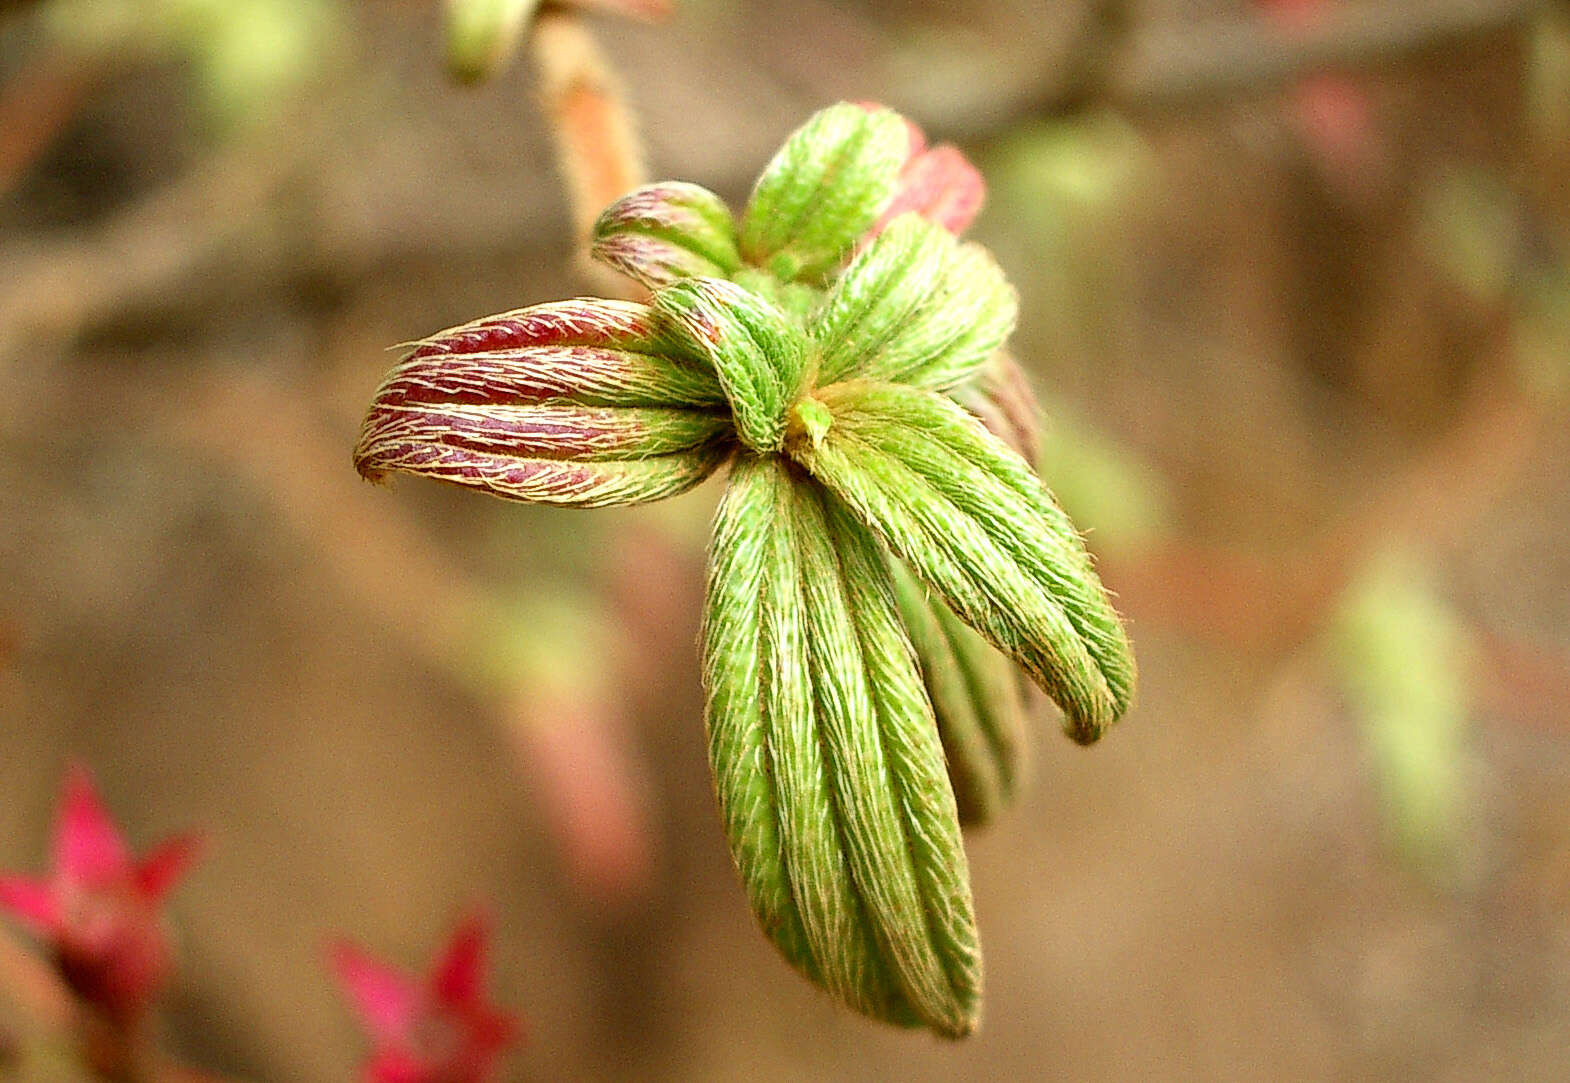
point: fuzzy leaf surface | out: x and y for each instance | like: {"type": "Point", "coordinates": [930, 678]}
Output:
{"type": "Point", "coordinates": [662, 232]}
{"type": "Point", "coordinates": [829, 771]}
{"type": "Point", "coordinates": [914, 307]}
{"type": "Point", "coordinates": [579, 402]}
{"type": "Point", "coordinates": [1000, 395]}
{"type": "Point", "coordinates": [976, 699]}
{"type": "Point", "coordinates": [978, 527]}
{"type": "Point", "coordinates": [764, 750]}
{"type": "Point", "coordinates": [757, 352]}
{"type": "Point", "coordinates": [823, 190]}
{"type": "Point", "coordinates": [901, 821]}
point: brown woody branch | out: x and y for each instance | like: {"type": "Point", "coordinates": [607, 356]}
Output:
{"type": "Point", "coordinates": [1217, 60]}
{"type": "Point", "coordinates": [1234, 57]}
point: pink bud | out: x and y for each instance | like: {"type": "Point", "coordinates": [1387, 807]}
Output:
{"type": "Point", "coordinates": [938, 183]}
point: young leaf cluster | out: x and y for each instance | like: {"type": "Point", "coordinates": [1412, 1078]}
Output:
{"type": "Point", "coordinates": [883, 556]}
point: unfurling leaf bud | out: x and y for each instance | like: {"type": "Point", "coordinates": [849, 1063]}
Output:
{"type": "Point", "coordinates": [759, 354]}
{"type": "Point", "coordinates": [884, 563]}
{"type": "Point", "coordinates": [914, 307]}
{"type": "Point", "coordinates": [662, 232]}
{"type": "Point", "coordinates": [579, 402]}
{"type": "Point", "coordinates": [979, 528]}
{"type": "Point", "coordinates": [826, 760]}
{"type": "Point", "coordinates": [823, 191]}
{"type": "Point", "coordinates": [938, 183]}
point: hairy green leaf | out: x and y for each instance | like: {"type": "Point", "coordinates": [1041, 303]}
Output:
{"type": "Point", "coordinates": [976, 698]}
{"type": "Point", "coordinates": [759, 355]}
{"type": "Point", "coordinates": [829, 773]}
{"type": "Point", "coordinates": [898, 815]}
{"type": "Point", "coordinates": [823, 190]}
{"type": "Point", "coordinates": [915, 307]}
{"type": "Point", "coordinates": [741, 575]}
{"type": "Point", "coordinates": [974, 523]}
{"type": "Point", "coordinates": [764, 748]}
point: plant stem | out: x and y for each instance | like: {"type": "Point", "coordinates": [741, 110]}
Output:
{"type": "Point", "coordinates": [597, 146]}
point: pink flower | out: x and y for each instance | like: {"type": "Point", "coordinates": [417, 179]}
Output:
{"type": "Point", "coordinates": [98, 909]}
{"type": "Point", "coordinates": [436, 1029]}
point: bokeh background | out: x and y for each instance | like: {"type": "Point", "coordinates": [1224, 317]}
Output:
{"type": "Point", "coordinates": [1295, 287]}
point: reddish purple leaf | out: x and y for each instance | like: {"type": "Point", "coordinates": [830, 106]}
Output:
{"type": "Point", "coordinates": [582, 402]}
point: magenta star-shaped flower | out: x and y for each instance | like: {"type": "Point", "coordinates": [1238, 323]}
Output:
{"type": "Point", "coordinates": [99, 909]}
{"type": "Point", "coordinates": [435, 1029]}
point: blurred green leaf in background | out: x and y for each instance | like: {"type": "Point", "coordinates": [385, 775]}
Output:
{"type": "Point", "coordinates": [244, 57]}
{"type": "Point", "coordinates": [1406, 662]}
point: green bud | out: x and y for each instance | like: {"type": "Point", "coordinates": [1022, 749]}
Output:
{"type": "Point", "coordinates": [482, 34]}
{"type": "Point", "coordinates": [823, 191]}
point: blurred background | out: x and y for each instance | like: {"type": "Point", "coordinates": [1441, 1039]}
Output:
{"type": "Point", "coordinates": [1295, 284]}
